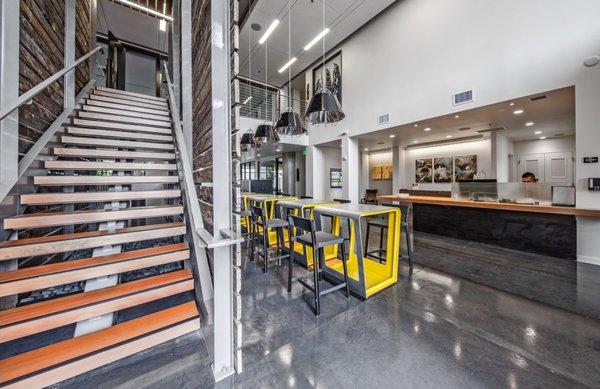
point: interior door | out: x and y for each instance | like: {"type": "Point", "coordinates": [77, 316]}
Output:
{"type": "Point", "coordinates": [559, 168]}
{"type": "Point", "coordinates": [533, 163]}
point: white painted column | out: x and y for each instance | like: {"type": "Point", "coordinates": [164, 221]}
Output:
{"type": "Point", "coordinates": [350, 169]}
{"type": "Point", "coordinates": [314, 172]}
{"type": "Point", "coordinates": [365, 169]}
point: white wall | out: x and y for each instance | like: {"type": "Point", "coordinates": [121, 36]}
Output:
{"type": "Point", "coordinates": [300, 185]}
{"type": "Point", "coordinates": [384, 187]}
{"type": "Point", "coordinates": [482, 148]}
{"type": "Point", "coordinates": [502, 147]}
{"type": "Point", "coordinates": [331, 158]}
{"type": "Point", "coordinates": [552, 145]}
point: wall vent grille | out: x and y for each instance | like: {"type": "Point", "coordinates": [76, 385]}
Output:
{"type": "Point", "coordinates": [383, 119]}
{"type": "Point", "coordinates": [462, 97]}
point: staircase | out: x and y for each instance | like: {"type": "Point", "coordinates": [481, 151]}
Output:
{"type": "Point", "coordinates": [114, 158]}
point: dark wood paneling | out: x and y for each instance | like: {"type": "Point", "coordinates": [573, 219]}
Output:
{"type": "Point", "coordinates": [82, 42]}
{"type": "Point", "coordinates": [549, 234]}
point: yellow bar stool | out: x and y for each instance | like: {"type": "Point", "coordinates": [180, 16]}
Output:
{"type": "Point", "coordinates": [304, 232]}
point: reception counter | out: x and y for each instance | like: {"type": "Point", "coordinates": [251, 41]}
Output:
{"type": "Point", "coordinates": [543, 229]}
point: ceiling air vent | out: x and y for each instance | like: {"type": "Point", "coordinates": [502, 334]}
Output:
{"type": "Point", "coordinates": [538, 98]}
{"type": "Point", "coordinates": [462, 97]}
{"type": "Point", "coordinates": [383, 119]}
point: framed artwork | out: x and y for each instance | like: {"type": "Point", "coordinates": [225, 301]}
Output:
{"type": "Point", "coordinates": [335, 178]}
{"type": "Point", "coordinates": [376, 173]}
{"type": "Point", "coordinates": [387, 172]}
{"type": "Point", "coordinates": [424, 170]}
{"type": "Point", "coordinates": [465, 167]}
{"type": "Point", "coordinates": [443, 169]}
{"type": "Point", "coordinates": [332, 76]}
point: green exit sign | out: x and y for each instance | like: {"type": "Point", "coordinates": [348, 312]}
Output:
{"type": "Point", "coordinates": [304, 150]}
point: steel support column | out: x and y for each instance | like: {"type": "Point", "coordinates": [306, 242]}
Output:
{"type": "Point", "coordinates": [186, 74]}
{"type": "Point", "coordinates": [9, 90]}
{"type": "Point", "coordinates": [175, 58]}
{"type": "Point", "coordinates": [222, 189]}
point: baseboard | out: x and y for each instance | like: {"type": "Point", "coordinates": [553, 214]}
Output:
{"type": "Point", "coordinates": [590, 260]}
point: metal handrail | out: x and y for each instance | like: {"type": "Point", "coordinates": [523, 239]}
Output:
{"type": "Point", "coordinates": [30, 94]}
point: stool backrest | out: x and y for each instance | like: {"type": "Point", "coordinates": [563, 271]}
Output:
{"type": "Point", "coordinates": [256, 212]}
{"type": "Point", "coordinates": [404, 210]}
{"type": "Point", "coordinates": [300, 225]}
{"type": "Point", "coordinates": [342, 201]}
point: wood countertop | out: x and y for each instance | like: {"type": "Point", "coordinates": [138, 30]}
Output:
{"type": "Point", "coordinates": [552, 209]}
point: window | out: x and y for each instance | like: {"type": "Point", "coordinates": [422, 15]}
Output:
{"type": "Point", "coordinates": [247, 171]}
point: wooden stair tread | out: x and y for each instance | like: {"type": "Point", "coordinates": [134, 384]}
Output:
{"type": "Point", "coordinates": [114, 142]}
{"type": "Point", "coordinates": [84, 165]}
{"type": "Point", "coordinates": [89, 197]}
{"type": "Point", "coordinates": [116, 99]}
{"type": "Point", "coordinates": [121, 112]}
{"type": "Point", "coordinates": [104, 153]}
{"type": "Point", "coordinates": [127, 93]}
{"type": "Point", "coordinates": [100, 103]}
{"type": "Point", "coordinates": [55, 354]}
{"type": "Point", "coordinates": [49, 219]}
{"type": "Point", "coordinates": [123, 119]}
{"type": "Point", "coordinates": [102, 180]}
{"type": "Point", "coordinates": [117, 134]}
{"type": "Point", "coordinates": [44, 276]}
{"type": "Point", "coordinates": [33, 318]}
{"type": "Point", "coordinates": [121, 126]}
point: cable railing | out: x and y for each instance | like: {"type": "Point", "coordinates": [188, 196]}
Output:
{"type": "Point", "coordinates": [258, 103]}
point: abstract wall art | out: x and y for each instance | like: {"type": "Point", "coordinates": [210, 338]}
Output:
{"type": "Point", "coordinates": [332, 76]}
{"type": "Point", "coordinates": [442, 169]}
{"type": "Point", "coordinates": [424, 170]}
{"type": "Point", "coordinates": [465, 167]}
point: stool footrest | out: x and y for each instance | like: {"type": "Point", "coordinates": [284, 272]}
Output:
{"type": "Point", "coordinates": [311, 287]}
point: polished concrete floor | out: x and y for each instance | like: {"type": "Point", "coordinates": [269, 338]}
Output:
{"type": "Point", "coordinates": [432, 329]}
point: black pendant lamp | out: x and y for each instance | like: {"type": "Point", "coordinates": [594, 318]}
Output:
{"type": "Point", "coordinates": [290, 123]}
{"type": "Point", "coordinates": [265, 133]}
{"type": "Point", "coordinates": [324, 106]}
{"type": "Point", "coordinates": [247, 141]}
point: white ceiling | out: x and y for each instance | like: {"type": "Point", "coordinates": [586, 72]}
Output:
{"type": "Point", "coordinates": [554, 116]}
{"type": "Point", "coordinates": [342, 17]}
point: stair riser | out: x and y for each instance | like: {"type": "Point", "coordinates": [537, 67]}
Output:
{"type": "Point", "coordinates": [47, 281]}
{"type": "Point", "coordinates": [55, 219]}
{"type": "Point", "coordinates": [131, 94]}
{"type": "Point", "coordinates": [87, 243]}
{"type": "Point", "coordinates": [130, 98]}
{"type": "Point", "coordinates": [73, 140]}
{"type": "Point", "coordinates": [122, 119]}
{"type": "Point", "coordinates": [61, 319]}
{"type": "Point", "coordinates": [99, 180]}
{"type": "Point", "coordinates": [118, 134]}
{"type": "Point", "coordinates": [84, 197]}
{"type": "Point", "coordinates": [66, 371]}
{"type": "Point", "coordinates": [121, 126]}
{"type": "Point", "coordinates": [97, 153]}
{"type": "Point", "coordinates": [116, 99]}
{"type": "Point", "coordinates": [119, 113]}
{"type": "Point", "coordinates": [115, 166]}
{"type": "Point", "coordinates": [126, 107]}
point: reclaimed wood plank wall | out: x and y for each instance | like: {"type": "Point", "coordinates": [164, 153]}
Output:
{"type": "Point", "coordinates": [82, 42]}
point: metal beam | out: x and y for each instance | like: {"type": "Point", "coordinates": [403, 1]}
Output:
{"type": "Point", "coordinates": [9, 90]}
{"type": "Point", "coordinates": [222, 190]}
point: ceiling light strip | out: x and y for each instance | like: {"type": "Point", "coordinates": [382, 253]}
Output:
{"type": "Point", "coordinates": [288, 64]}
{"type": "Point", "coordinates": [270, 30]}
{"type": "Point", "coordinates": [316, 39]}
{"type": "Point", "coordinates": [145, 9]}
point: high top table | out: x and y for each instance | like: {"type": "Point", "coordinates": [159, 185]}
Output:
{"type": "Point", "coordinates": [267, 203]}
{"type": "Point", "coordinates": [366, 276]}
{"type": "Point", "coordinates": [305, 208]}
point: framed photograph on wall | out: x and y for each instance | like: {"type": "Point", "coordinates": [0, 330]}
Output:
{"type": "Point", "coordinates": [443, 169]}
{"type": "Point", "coordinates": [465, 167]}
{"type": "Point", "coordinates": [335, 178]}
{"type": "Point", "coordinates": [332, 76]}
{"type": "Point", "coordinates": [424, 170]}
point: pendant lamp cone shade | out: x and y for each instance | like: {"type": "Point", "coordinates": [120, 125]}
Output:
{"type": "Point", "coordinates": [290, 123]}
{"type": "Point", "coordinates": [247, 141]}
{"type": "Point", "coordinates": [265, 133]}
{"type": "Point", "coordinates": [324, 107]}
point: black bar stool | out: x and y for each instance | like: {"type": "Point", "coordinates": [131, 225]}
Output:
{"type": "Point", "coordinates": [346, 238]}
{"type": "Point", "coordinates": [382, 225]}
{"type": "Point", "coordinates": [304, 232]}
{"type": "Point", "coordinates": [259, 221]}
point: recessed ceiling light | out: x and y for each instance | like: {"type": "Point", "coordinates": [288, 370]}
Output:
{"type": "Point", "coordinates": [366, 149]}
{"type": "Point", "coordinates": [392, 136]}
{"type": "Point", "coordinates": [427, 129]}
{"type": "Point", "coordinates": [288, 64]}
{"type": "Point", "coordinates": [542, 137]}
{"type": "Point", "coordinates": [529, 124]}
{"type": "Point", "coordinates": [511, 104]}
{"type": "Point", "coordinates": [415, 125]}
{"type": "Point", "coordinates": [415, 141]}
{"type": "Point", "coordinates": [456, 116]}
{"type": "Point", "coordinates": [271, 28]}
{"type": "Point", "coordinates": [537, 132]}
{"type": "Point", "coordinates": [278, 150]}
{"type": "Point", "coordinates": [448, 136]}
{"type": "Point", "coordinates": [316, 39]}
{"type": "Point", "coordinates": [258, 155]}
{"type": "Point", "coordinates": [518, 111]}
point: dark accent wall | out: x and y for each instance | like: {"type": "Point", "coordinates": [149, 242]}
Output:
{"type": "Point", "coordinates": [201, 108]}
{"type": "Point", "coordinates": [41, 54]}
{"type": "Point", "coordinates": [82, 43]}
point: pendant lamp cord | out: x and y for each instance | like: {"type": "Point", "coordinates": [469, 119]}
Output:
{"type": "Point", "coordinates": [250, 67]}
{"type": "Point", "coordinates": [323, 63]}
{"type": "Point", "coordinates": [266, 72]}
{"type": "Point", "coordinates": [289, 54]}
